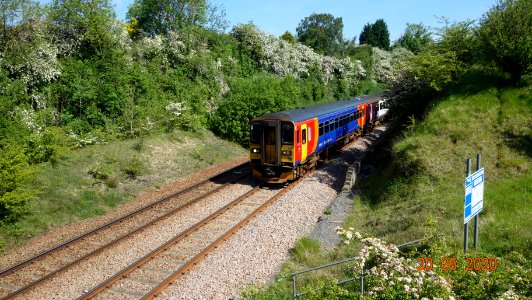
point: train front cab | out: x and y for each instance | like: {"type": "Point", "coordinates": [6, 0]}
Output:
{"type": "Point", "coordinates": [272, 150]}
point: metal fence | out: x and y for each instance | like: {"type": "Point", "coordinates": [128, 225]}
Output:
{"type": "Point", "coordinates": [359, 278]}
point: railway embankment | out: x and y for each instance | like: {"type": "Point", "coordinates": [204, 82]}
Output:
{"type": "Point", "coordinates": [416, 191]}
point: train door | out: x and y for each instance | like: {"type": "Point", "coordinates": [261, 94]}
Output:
{"type": "Point", "coordinates": [303, 142]}
{"type": "Point", "coordinates": [369, 115]}
{"type": "Point", "coordinates": [271, 133]}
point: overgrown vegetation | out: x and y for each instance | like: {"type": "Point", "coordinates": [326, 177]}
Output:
{"type": "Point", "coordinates": [89, 181]}
{"type": "Point", "coordinates": [453, 99]}
{"type": "Point", "coordinates": [73, 75]}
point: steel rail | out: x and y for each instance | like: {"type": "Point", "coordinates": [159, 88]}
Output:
{"type": "Point", "coordinates": [32, 259]}
{"type": "Point", "coordinates": [143, 260]}
{"type": "Point", "coordinates": [117, 240]}
{"type": "Point", "coordinates": [196, 259]}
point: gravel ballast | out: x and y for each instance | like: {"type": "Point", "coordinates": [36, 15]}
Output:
{"type": "Point", "coordinates": [252, 256]}
{"type": "Point", "coordinates": [256, 252]}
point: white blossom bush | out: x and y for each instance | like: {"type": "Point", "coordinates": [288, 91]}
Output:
{"type": "Point", "coordinates": [149, 47]}
{"type": "Point", "coordinates": [175, 109]}
{"type": "Point", "coordinates": [389, 275]}
{"type": "Point", "coordinates": [39, 66]}
{"type": "Point", "coordinates": [283, 58]}
{"type": "Point", "coordinates": [28, 118]}
{"type": "Point", "coordinates": [387, 65]}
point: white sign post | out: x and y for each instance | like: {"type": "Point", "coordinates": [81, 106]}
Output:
{"type": "Point", "coordinates": [474, 198]}
{"type": "Point", "coordinates": [474, 195]}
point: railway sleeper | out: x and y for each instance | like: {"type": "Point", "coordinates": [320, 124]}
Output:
{"type": "Point", "coordinates": [145, 281]}
{"type": "Point", "coordinates": [9, 287]}
{"type": "Point", "coordinates": [128, 292]}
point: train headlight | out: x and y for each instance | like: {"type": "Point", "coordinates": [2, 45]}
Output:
{"type": "Point", "coordinates": [286, 152]}
{"type": "Point", "coordinates": [255, 150]}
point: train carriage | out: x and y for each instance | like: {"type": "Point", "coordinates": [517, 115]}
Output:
{"type": "Point", "coordinates": [281, 143]}
{"type": "Point", "coordinates": [284, 145]}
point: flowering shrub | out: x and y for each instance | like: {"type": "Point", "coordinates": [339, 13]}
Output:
{"type": "Point", "coordinates": [388, 65]}
{"type": "Point", "coordinates": [175, 109]}
{"type": "Point", "coordinates": [284, 58]}
{"type": "Point", "coordinates": [389, 275]}
{"type": "Point", "coordinates": [39, 63]}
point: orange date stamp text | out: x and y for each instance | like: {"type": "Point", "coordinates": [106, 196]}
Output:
{"type": "Point", "coordinates": [452, 264]}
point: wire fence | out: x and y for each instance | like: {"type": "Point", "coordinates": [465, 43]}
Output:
{"type": "Point", "coordinates": [337, 263]}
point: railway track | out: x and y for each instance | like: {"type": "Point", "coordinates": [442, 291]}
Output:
{"type": "Point", "coordinates": [150, 275]}
{"type": "Point", "coordinates": [26, 275]}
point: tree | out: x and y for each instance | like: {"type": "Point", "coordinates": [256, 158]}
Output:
{"type": "Point", "coordinates": [322, 32]}
{"type": "Point", "coordinates": [160, 17]}
{"type": "Point", "coordinates": [83, 25]}
{"type": "Point", "coordinates": [16, 19]}
{"type": "Point", "coordinates": [376, 35]}
{"type": "Point", "coordinates": [287, 36]}
{"type": "Point", "coordinates": [459, 38]}
{"type": "Point", "coordinates": [506, 36]}
{"type": "Point", "coordinates": [415, 38]}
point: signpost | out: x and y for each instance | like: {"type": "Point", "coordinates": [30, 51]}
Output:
{"type": "Point", "coordinates": [474, 198]}
{"type": "Point", "coordinates": [474, 195]}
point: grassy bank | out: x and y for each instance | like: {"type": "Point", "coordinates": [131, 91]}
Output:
{"type": "Point", "coordinates": [417, 189]}
{"type": "Point", "coordinates": [89, 181]}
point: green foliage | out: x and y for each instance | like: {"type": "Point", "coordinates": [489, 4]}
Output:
{"type": "Point", "coordinates": [506, 36]}
{"type": "Point", "coordinates": [161, 17]}
{"type": "Point", "coordinates": [376, 35]}
{"type": "Point", "coordinates": [86, 27]}
{"type": "Point", "coordinates": [461, 39]}
{"type": "Point", "coordinates": [323, 33]}
{"type": "Point", "coordinates": [328, 290]}
{"type": "Point", "coordinates": [305, 250]}
{"type": "Point", "coordinates": [249, 98]}
{"type": "Point", "coordinates": [364, 54]}
{"type": "Point", "coordinates": [287, 36]}
{"type": "Point", "coordinates": [46, 146]}
{"type": "Point", "coordinates": [134, 167]}
{"type": "Point", "coordinates": [424, 76]}
{"type": "Point", "coordinates": [15, 174]}
{"type": "Point", "coordinates": [415, 38]}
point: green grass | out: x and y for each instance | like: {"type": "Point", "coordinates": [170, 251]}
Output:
{"type": "Point", "coordinates": [89, 181]}
{"type": "Point", "coordinates": [418, 183]}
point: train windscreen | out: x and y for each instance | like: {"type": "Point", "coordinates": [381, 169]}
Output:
{"type": "Point", "coordinates": [287, 133]}
{"type": "Point", "coordinates": [255, 133]}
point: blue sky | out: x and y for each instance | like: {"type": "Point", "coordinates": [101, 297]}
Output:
{"type": "Point", "coordinates": [275, 16]}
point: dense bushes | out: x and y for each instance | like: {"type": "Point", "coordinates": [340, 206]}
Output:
{"type": "Point", "coordinates": [71, 75]}
{"type": "Point", "coordinates": [15, 174]}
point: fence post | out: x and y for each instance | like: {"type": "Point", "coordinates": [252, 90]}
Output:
{"type": "Point", "coordinates": [294, 286]}
{"type": "Point", "coordinates": [362, 282]}
{"type": "Point", "coordinates": [476, 217]}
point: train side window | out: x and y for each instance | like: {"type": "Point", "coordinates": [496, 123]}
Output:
{"type": "Point", "coordinates": [304, 135]}
{"type": "Point", "coordinates": [320, 129]}
{"type": "Point", "coordinates": [297, 136]}
{"type": "Point", "coordinates": [336, 123]}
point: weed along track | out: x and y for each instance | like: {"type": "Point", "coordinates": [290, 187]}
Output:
{"type": "Point", "coordinates": [151, 274]}
{"type": "Point", "coordinates": [24, 276]}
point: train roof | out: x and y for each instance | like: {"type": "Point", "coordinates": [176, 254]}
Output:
{"type": "Point", "coordinates": [305, 113]}
{"type": "Point", "coordinates": [373, 98]}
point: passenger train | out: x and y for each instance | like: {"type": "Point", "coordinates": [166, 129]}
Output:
{"type": "Point", "coordinates": [285, 145]}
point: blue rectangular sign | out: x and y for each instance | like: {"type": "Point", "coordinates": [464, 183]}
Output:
{"type": "Point", "coordinates": [474, 195]}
